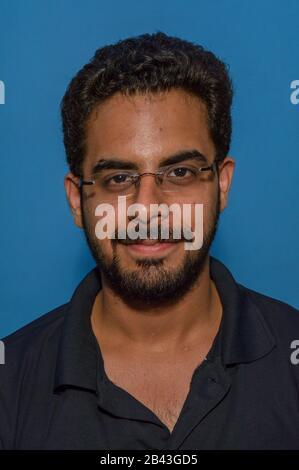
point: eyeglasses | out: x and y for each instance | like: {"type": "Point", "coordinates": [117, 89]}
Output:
{"type": "Point", "coordinates": [183, 179]}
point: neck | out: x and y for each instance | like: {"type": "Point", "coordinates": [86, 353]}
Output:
{"type": "Point", "coordinates": [196, 316]}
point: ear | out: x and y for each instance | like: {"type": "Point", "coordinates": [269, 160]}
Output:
{"type": "Point", "coordinates": [226, 171]}
{"type": "Point", "coordinates": [71, 187]}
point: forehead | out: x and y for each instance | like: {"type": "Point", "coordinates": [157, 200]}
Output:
{"type": "Point", "coordinates": [146, 128]}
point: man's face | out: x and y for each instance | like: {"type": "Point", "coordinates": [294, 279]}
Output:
{"type": "Point", "coordinates": [145, 130]}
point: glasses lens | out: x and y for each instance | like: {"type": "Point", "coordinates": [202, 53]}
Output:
{"type": "Point", "coordinates": [109, 185]}
{"type": "Point", "coordinates": [184, 178]}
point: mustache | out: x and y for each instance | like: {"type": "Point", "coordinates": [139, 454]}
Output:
{"type": "Point", "coordinates": [180, 236]}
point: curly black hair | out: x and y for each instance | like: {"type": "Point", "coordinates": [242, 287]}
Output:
{"type": "Point", "coordinates": [147, 63]}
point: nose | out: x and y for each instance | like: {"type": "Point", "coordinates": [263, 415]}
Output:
{"type": "Point", "coordinates": [147, 193]}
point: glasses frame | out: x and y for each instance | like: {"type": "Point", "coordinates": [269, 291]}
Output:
{"type": "Point", "coordinates": [137, 176]}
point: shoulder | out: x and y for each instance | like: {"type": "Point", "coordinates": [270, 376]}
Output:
{"type": "Point", "coordinates": [37, 334]}
{"type": "Point", "coordinates": [33, 346]}
{"type": "Point", "coordinates": [281, 317]}
{"type": "Point", "coordinates": [30, 355]}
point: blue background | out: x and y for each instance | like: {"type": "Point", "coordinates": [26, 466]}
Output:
{"type": "Point", "coordinates": [44, 43]}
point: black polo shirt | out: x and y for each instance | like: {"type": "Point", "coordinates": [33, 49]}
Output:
{"type": "Point", "coordinates": [54, 393]}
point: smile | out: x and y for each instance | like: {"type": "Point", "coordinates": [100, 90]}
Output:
{"type": "Point", "coordinates": [151, 247]}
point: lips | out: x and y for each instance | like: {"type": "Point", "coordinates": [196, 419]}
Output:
{"type": "Point", "coordinates": [147, 242]}
{"type": "Point", "coordinates": [148, 247]}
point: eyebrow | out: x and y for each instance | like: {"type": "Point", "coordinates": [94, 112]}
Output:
{"type": "Point", "coordinates": [119, 164]}
{"type": "Point", "coordinates": [182, 156]}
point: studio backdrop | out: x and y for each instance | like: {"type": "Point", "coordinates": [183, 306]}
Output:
{"type": "Point", "coordinates": [43, 43]}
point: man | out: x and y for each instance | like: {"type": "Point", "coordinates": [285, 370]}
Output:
{"type": "Point", "coordinates": [159, 347]}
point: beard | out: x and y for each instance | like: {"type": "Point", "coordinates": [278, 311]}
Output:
{"type": "Point", "coordinates": [151, 283]}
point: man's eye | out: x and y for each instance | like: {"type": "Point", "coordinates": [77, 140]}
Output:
{"type": "Point", "coordinates": [120, 178]}
{"type": "Point", "coordinates": [180, 172]}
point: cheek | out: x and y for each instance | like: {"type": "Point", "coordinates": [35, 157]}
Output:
{"type": "Point", "coordinates": [202, 218]}
{"type": "Point", "coordinates": [200, 212]}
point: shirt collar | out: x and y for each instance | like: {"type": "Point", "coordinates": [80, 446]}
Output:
{"type": "Point", "coordinates": [243, 335]}
{"type": "Point", "coordinates": [78, 353]}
